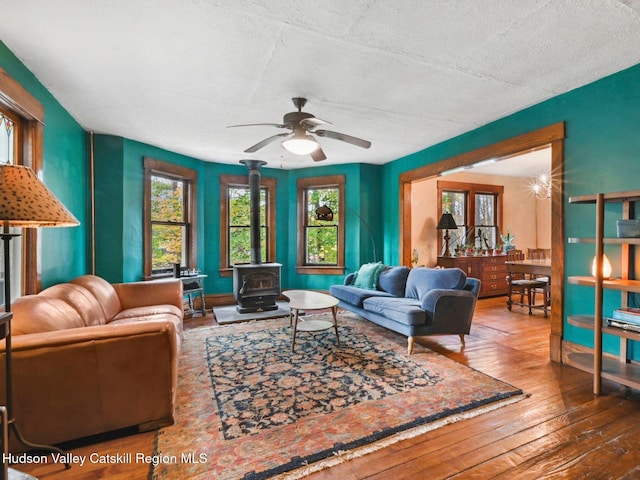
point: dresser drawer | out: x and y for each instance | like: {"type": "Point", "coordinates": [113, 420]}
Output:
{"type": "Point", "coordinates": [489, 269]}
{"type": "Point", "coordinates": [494, 283]}
{"type": "Point", "coordinates": [493, 264]}
{"type": "Point", "coordinates": [494, 287]}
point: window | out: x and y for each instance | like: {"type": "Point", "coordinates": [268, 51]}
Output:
{"type": "Point", "coordinates": [169, 217]}
{"type": "Point", "coordinates": [9, 128]}
{"type": "Point", "coordinates": [477, 210]}
{"type": "Point", "coordinates": [21, 140]}
{"type": "Point", "coordinates": [235, 221]}
{"type": "Point", "coordinates": [321, 243]}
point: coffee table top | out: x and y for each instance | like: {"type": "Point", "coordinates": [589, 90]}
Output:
{"type": "Point", "coordinates": [309, 300]}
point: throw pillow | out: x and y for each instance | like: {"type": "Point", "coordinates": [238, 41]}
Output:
{"type": "Point", "coordinates": [367, 276]}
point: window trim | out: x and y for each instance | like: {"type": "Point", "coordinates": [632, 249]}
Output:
{"type": "Point", "coordinates": [190, 176]}
{"type": "Point", "coordinates": [303, 184]}
{"type": "Point", "coordinates": [15, 99]}
{"type": "Point", "coordinates": [470, 190]}
{"type": "Point", "coordinates": [226, 181]}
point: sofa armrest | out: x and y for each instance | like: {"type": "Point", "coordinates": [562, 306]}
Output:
{"type": "Point", "coordinates": [432, 297]}
{"type": "Point", "coordinates": [144, 294]}
{"type": "Point", "coordinates": [449, 311]}
{"type": "Point", "coordinates": [104, 377]}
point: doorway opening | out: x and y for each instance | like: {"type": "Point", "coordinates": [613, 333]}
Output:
{"type": "Point", "coordinates": [551, 137]}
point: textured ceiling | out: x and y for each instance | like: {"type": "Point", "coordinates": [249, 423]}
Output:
{"type": "Point", "coordinates": [404, 74]}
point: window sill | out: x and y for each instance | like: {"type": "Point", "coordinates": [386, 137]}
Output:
{"type": "Point", "coordinates": [319, 270]}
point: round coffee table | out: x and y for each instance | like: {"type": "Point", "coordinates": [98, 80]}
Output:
{"type": "Point", "coordinates": [308, 300]}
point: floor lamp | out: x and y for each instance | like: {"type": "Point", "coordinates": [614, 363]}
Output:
{"type": "Point", "coordinates": [24, 202]}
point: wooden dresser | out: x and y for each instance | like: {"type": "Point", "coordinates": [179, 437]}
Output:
{"type": "Point", "coordinates": [490, 269]}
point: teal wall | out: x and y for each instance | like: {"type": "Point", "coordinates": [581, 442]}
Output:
{"type": "Point", "coordinates": [63, 252]}
{"type": "Point", "coordinates": [119, 204]}
{"type": "Point", "coordinates": [601, 154]}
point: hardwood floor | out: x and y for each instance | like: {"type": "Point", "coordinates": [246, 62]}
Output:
{"type": "Point", "coordinates": [560, 431]}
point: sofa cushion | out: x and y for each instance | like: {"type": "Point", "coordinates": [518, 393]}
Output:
{"type": "Point", "coordinates": [37, 313]}
{"type": "Point", "coordinates": [153, 317]}
{"type": "Point", "coordinates": [422, 279]}
{"type": "Point", "coordinates": [393, 280]}
{"type": "Point", "coordinates": [104, 293]}
{"type": "Point", "coordinates": [354, 295]}
{"type": "Point", "coordinates": [154, 312]}
{"type": "Point", "coordinates": [367, 276]}
{"type": "Point", "coordinates": [79, 298]}
{"type": "Point", "coordinates": [403, 310]}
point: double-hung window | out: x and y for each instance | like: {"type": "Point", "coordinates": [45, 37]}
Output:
{"type": "Point", "coordinates": [170, 217]}
{"type": "Point", "coordinates": [321, 241]}
{"type": "Point", "coordinates": [477, 210]}
{"type": "Point", "coordinates": [21, 140]}
{"type": "Point", "coordinates": [235, 221]}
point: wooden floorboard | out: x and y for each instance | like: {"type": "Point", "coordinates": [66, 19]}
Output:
{"type": "Point", "coordinates": [561, 430]}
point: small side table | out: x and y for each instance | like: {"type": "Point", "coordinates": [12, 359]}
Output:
{"type": "Point", "coordinates": [308, 300]}
{"type": "Point", "coordinates": [192, 288]}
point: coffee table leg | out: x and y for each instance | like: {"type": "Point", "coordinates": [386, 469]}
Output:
{"type": "Point", "coordinates": [295, 328]}
{"type": "Point", "coordinates": [334, 310]}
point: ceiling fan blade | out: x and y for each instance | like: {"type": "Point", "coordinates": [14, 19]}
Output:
{"type": "Point", "coordinates": [344, 138]}
{"type": "Point", "coordinates": [313, 122]}
{"type": "Point", "coordinates": [265, 142]}
{"type": "Point", "coordinates": [279, 125]}
{"type": "Point", "coordinates": [318, 155]}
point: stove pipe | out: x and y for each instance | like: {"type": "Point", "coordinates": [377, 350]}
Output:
{"type": "Point", "coordinates": [254, 199]}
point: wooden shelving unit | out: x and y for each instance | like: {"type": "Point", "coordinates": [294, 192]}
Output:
{"type": "Point", "coordinates": [615, 369]}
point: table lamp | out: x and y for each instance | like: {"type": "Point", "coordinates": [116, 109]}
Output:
{"type": "Point", "coordinates": [447, 223]}
{"type": "Point", "coordinates": [24, 202]}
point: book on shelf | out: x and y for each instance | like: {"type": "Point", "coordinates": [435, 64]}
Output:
{"type": "Point", "coordinates": [628, 315]}
{"type": "Point", "coordinates": [623, 325]}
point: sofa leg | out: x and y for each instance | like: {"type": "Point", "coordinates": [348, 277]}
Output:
{"type": "Point", "coordinates": [462, 339]}
{"type": "Point", "coordinates": [410, 346]}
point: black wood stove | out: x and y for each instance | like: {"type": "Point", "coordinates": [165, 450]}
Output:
{"type": "Point", "coordinates": [256, 285]}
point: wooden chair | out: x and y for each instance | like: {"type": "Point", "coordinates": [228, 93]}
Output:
{"type": "Point", "coordinates": [519, 284]}
{"type": "Point", "coordinates": [541, 254]}
{"type": "Point", "coordinates": [538, 253]}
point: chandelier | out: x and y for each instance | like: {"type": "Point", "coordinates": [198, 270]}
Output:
{"type": "Point", "coordinates": [541, 186]}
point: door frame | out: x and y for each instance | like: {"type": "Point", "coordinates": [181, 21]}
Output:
{"type": "Point", "coordinates": [552, 135]}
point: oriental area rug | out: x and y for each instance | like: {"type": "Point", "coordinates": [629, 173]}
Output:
{"type": "Point", "coordinates": [248, 408]}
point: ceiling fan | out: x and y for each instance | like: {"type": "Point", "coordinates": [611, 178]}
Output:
{"type": "Point", "coordinates": [299, 140]}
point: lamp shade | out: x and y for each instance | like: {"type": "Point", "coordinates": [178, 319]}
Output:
{"type": "Point", "coordinates": [447, 222]}
{"type": "Point", "coordinates": [26, 202]}
{"type": "Point", "coordinates": [300, 144]}
{"type": "Point", "coordinates": [606, 267]}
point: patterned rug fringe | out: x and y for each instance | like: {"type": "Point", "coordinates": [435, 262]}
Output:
{"type": "Point", "coordinates": [344, 456]}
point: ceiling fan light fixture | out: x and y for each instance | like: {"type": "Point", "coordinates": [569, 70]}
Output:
{"type": "Point", "coordinates": [300, 144]}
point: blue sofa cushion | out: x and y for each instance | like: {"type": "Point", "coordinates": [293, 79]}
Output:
{"type": "Point", "coordinates": [422, 279]}
{"type": "Point", "coordinates": [354, 295]}
{"type": "Point", "coordinates": [393, 280]}
{"type": "Point", "coordinates": [403, 310]}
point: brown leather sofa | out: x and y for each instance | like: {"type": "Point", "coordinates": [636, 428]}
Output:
{"type": "Point", "coordinates": [91, 357]}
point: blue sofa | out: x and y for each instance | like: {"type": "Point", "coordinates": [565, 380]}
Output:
{"type": "Point", "coordinates": [418, 301]}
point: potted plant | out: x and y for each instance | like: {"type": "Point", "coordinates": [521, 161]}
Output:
{"type": "Point", "coordinates": [507, 240]}
{"type": "Point", "coordinates": [484, 240]}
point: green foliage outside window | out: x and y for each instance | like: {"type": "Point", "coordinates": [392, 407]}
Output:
{"type": "Point", "coordinates": [321, 236]}
{"type": "Point", "coordinates": [168, 225]}
{"type": "Point", "coordinates": [240, 224]}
